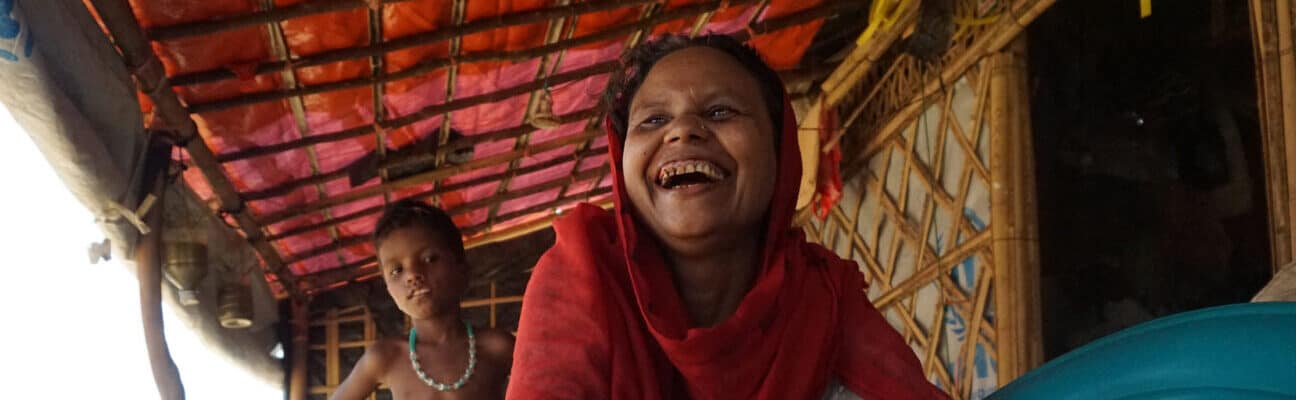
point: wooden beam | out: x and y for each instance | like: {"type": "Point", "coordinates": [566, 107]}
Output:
{"type": "Point", "coordinates": [439, 191]}
{"type": "Point", "coordinates": [419, 39]}
{"type": "Point", "coordinates": [137, 53]}
{"type": "Point", "coordinates": [1015, 223]}
{"type": "Point", "coordinates": [353, 240]}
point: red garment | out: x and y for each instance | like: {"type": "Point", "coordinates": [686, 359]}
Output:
{"type": "Point", "coordinates": [601, 318]}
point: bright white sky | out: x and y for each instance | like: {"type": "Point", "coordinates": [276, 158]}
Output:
{"type": "Point", "coordinates": [72, 330]}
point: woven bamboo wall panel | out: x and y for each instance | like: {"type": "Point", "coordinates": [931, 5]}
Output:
{"type": "Point", "coordinates": [917, 220]}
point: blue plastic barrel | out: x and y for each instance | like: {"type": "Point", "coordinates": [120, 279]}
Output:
{"type": "Point", "coordinates": [1240, 351]}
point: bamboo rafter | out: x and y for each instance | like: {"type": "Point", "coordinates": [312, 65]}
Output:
{"type": "Point", "coordinates": [367, 268]}
{"type": "Point", "coordinates": [766, 26]}
{"type": "Point", "coordinates": [501, 21]}
{"type": "Point", "coordinates": [342, 243]}
{"type": "Point", "coordinates": [442, 190]}
{"type": "Point", "coordinates": [291, 91]}
{"type": "Point", "coordinates": [427, 66]}
{"type": "Point", "coordinates": [120, 22]}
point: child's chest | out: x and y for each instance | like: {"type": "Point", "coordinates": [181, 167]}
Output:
{"type": "Point", "coordinates": [444, 368]}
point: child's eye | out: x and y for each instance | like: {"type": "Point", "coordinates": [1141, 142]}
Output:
{"type": "Point", "coordinates": [395, 271]}
{"type": "Point", "coordinates": [720, 113]}
{"type": "Point", "coordinates": [429, 258]}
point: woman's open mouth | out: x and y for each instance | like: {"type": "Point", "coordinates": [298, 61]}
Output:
{"type": "Point", "coordinates": [689, 173]}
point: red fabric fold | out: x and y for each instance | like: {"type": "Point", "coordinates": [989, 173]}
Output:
{"type": "Point", "coordinates": [601, 318]}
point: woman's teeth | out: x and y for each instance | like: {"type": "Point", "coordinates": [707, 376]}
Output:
{"type": "Point", "coordinates": [689, 172]}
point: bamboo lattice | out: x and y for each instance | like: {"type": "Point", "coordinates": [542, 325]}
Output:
{"type": "Point", "coordinates": [916, 219]}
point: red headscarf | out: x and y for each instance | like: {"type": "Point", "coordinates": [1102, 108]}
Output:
{"type": "Point", "coordinates": [601, 318]}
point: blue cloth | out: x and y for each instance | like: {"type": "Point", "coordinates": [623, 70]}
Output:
{"type": "Point", "coordinates": [1241, 351]}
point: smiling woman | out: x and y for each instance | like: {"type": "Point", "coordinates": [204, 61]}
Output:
{"type": "Point", "coordinates": [698, 285]}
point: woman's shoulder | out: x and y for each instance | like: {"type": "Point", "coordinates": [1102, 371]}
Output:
{"type": "Point", "coordinates": [585, 238]}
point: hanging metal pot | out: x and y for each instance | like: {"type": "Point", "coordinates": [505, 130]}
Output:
{"type": "Point", "coordinates": [234, 306]}
{"type": "Point", "coordinates": [185, 264]}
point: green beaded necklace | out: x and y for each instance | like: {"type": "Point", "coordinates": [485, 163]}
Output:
{"type": "Point", "coordinates": [472, 363]}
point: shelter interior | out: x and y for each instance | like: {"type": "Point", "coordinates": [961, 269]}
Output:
{"type": "Point", "coordinates": [987, 163]}
{"type": "Point", "coordinates": [1149, 164]}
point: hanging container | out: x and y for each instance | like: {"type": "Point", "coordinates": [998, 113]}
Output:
{"type": "Point", "coordinates": [185, 264]}
{"type": "Point", "coordinates": [234, 306]}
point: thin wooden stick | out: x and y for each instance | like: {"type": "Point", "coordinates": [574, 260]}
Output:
{"type": "Point", "coordinates": [119, 20]}
{"type": "Point", "coordinates": [366, 268]}
{"type": "Point", "coordinates": [489, 161]}
{"type": "Point", "coordinates": [764, 27]}
{"type": "Point", "coordinates": [427, 66]}
{"type": "Point", "coordinates": [439, 191]}
{"type": "Point", "coordinates": [349, 241]}
{"type": "Point", "coordinates": [426, 177]}
{"type": "Point", "coordinates": [461, 143]}
{"type": "Point", "coordinates": [221, 24]}
{"type": "Point", "coordinates": [993, 40]}
{"type": "Point", "coordinates": [540, 207]}
{"type": "Point", "coordinates": [501, 21]}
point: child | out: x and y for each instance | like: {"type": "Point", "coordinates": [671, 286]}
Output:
{"type": "Point", "coordinates": [421, 255]}
{"type": "Point", "coordinates": [697, 285]}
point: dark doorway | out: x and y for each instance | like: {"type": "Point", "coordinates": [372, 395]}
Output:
{"type": "Point", "coordinates": [1149, 163]}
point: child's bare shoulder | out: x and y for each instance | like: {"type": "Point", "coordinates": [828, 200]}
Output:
{"type": "Point", "coordinates": [385, 351]}
{"type": "Point", "coordinates": [496, 343]}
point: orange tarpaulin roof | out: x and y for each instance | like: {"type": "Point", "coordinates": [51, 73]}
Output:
{"type": "Point", "coordinates": [511, 173]}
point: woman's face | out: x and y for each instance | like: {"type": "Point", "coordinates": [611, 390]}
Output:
{"type": "Point", "coordinates": [699, 158]}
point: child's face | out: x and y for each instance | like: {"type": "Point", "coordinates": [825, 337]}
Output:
{"type": "Point", "coordinates": [699, 162]}
{"type": "Point", "coordinates": [423, 275]}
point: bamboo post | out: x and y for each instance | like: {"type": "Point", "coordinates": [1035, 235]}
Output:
{"type": "Point", "coordinates": [148, 263]}
{"type": "Point", "coordinates": [1014, 226]}
{"type": "Point", "coordinates": [297, 389]}
{"type": "Point", "coordinates": [1269, 100]}
{"type": "Point", "coordinates": [1287, 73]}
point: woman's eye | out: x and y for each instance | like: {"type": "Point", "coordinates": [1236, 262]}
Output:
{"type": "Point", "coordinates": [653, 121]}
{"type": "Point", "coordinates": [720, 113]}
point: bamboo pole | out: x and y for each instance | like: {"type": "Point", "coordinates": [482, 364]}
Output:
{"type": "Point", "coordinates": [164, 33]}
{"type": "Point", "coordinates": [863, 58]}
{"type": "Point", "coordinates": [148, 263]}
{"type": "Point", "coordinates": [1015, 229]}
{"type": "Point", "coordinates": [1287, 73]}
{"type": "Point", "coordinates": [1269, 102]}
{"type": "Point", "coordinates": [1008, 26]}
{"type": "Point", "coordinates": [119, 20]}
{"type": "Point", "coordinates": [297, 386]}
{"type": "Point", "coordinates": [501, 21]}
{"type": "Point", "coordinates": [441, 190]}
{"type": "Point", "coordinates": [426, 177]}
{"type": "Point", "coordinates": [345, 242]}
{"type": "Point", "coordinates": [413, 159]}
{"type": "Point", "coordinates": [427, 66]}
{"type": "Point", "coordinates": [771, 25]}
{"type": "Point", "coordinates": [366, 268]}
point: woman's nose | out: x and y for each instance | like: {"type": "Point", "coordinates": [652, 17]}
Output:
{"type": "Point", "coordinates": [687, 127]}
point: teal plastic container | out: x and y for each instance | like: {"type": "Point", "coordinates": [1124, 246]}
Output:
{"type": "Point", "coordinates": [1240, 351]}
